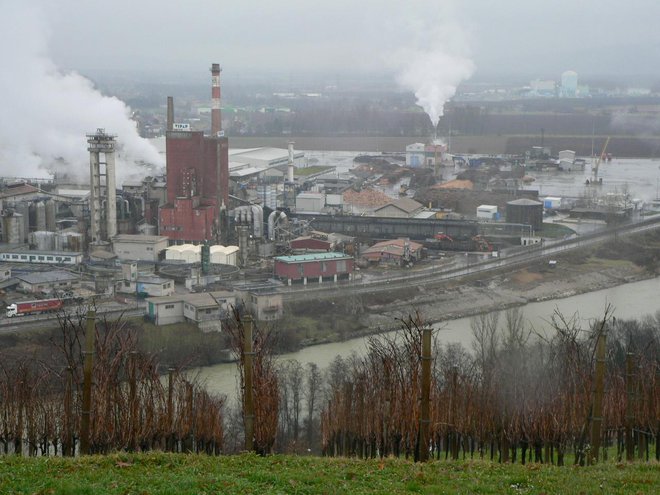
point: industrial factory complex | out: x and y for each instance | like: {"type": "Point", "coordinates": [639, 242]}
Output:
{"type": "Point", "coordinates": [225, 227]}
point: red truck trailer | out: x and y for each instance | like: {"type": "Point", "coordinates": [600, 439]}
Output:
{"type": "Point", "coordinates": [33, 307]}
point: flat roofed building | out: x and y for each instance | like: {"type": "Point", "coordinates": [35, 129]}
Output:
{"type": "Point", "coordinates": [139, 247]}
{"type": "Point", "coordinates": [47, 281]}
{"type": "Point", "coordinates": [314, 267]}
{"type": "Point", "coordinates": [195, 308]}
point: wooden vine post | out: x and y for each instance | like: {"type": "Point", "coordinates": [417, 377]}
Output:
{"type": "Point", "coordinates": [425, 409]}
{"type": "Point", "coordinates": [87, 381]}
{"type": "Point", "coordinates": [597, 411]}
{"type": "Point", "coordinates": [248, 404]}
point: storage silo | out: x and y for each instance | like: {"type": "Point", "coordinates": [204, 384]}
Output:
{"type": "Point", "coordinates": [23, 208]}
{"type": "Point", "coordinates": [50, 215]}
{"type": "Point", "coordinates": [43, 240]}
{"type": "Point", "coordinates": [525, 211]}
{"type": "Point", "coordinates": [12, 227]}
{"type": "Point", "coordinates": [40, 216]}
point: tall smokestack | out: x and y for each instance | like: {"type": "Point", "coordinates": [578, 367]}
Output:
{"type": "Point", "coordinates": [170, 113]}
{"type": "Point", "coordinates": [290, 168]}
{"type": "Point", "coordinates": [216, 123]}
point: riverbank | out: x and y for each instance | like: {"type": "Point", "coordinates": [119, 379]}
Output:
{"type": "Point", "coordinates": [577, 272]}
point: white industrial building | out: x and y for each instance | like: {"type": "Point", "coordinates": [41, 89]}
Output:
{"type": "Point", "coordinates": [226, 255]}
{"type": "Point", "coordinates": [415, 155]}
{"type": "Point", "coordinates": [487, 212]}
{"type": "Point", "coordinates": [139, 247]}
{"type": "Point", "coordinates": [199, 308]}
{"type": "Point", "coordinates": [310, 201]}
{"type": "Point", "coordinates": [188, 253]}
{"type": "Point", "coordinates": [264, 158]}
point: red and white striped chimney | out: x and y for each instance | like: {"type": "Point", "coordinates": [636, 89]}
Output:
{"type": "Point", "coordinates": [216, 122]}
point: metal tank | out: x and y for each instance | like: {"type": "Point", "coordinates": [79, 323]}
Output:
{"type": "Point", "coordinates": [12, 227]}
{"type": "Point", "coordinates": [43, 240]}
{"type": "Point", "coordinates": [51, 214]}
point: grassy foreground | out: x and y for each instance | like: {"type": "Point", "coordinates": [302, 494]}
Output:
{"type": "Point", "coordinates": [245, 474]}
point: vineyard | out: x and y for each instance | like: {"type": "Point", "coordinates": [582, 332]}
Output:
{"type": "Point", "coordinates": [572, 396]}
{"type": "Point", "coordinates": [514, 399]}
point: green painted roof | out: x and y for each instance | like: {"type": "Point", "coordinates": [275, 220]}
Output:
{"type": "Point", "coordinates": [300, 258]}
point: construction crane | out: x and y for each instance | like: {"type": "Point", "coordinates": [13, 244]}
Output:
{"type": "Point", "coordinates": [594, 168]}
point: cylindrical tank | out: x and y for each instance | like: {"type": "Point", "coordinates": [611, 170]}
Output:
{"type": "Point", "coordinates": [525, 211]}
{"type": "Point", "coordinates": [24, 209]}
{"type": "Point", "coordinates": [50, 215]}
{"type": "Point", "coordinates": [43, 240]}
{"type": "Point", "coordinates": [12, 228]}
{"type": "Point", "coordinates": [69, 241]}
{"type": "Point", "coordinates": [41, 216]}
{"type": "Point", "coordinates": [147, 229]}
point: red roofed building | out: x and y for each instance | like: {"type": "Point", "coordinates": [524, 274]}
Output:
{"type": "Point", "coordinates": [394, 251]}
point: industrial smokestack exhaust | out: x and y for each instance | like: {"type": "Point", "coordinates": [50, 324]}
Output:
{"type": "Point", "coordinates": [216, 122]}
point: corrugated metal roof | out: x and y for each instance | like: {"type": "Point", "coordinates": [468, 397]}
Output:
{"type": "Point", "coordinates": [407, 205]}
{"type": "Point", "coordinates": [301, 258]}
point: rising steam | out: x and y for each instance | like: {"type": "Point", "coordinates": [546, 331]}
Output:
{"type": "Point", "coordinates": [47, 112]}
{"type": "Point", "coordinates": [434, 66]}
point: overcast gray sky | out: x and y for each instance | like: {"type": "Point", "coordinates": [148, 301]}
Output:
{"type": "Point", "coordinates": [502, 36]}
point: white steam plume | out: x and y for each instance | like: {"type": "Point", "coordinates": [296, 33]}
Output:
{"type": "Point", "coordinates": [46, 112]}
{"type": "Point", "coordinates": [434, 64]}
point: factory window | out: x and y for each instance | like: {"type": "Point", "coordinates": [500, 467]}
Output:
{"type": "Point", "coordinates": [208, 311]}
{"type": "Point", "coordinates": [14, 256]}
{"type": "Point", "coordinates": [41, 258]}
{"type": "Point", "coordinates": [66, 259]}
{"type": "Point", "coordinates": [301, 269]}
{"type": "Point", "coordinates": [165, 286]}
{"type": "Point", "coordinates": [324, 267]}
{"type": "Point", "coordinates": [59, 258]}
{"type": "Point", "coordinates": [127, 284]}
{"type": "Point", "coordinates": [23, 257]}
{"type": "Point", "coordinates": [341, 266]}
{"type": "Point", "coordinates": [49, 258]}
{"type": "Point", "coordinates": [169, 306]}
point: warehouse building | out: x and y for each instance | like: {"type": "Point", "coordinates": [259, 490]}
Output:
{"type": "Point", "coordinates": [395, 251]}
{"type": "Point", "coordinates": [202, 309]}
{"type": "Point", "coordinates": [139, 247]}
{"type": "Point", "coordinates": [319, 267]}
{"type": "Point", "coordinates": [46, 282]}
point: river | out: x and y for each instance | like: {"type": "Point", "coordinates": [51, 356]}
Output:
{"type": "Point", "coordinates": [628, 300]}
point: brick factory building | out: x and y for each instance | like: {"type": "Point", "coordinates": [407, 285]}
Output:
{"type": "Point", "coordinates": [317, 267]}
{"type": "Point", "coordinates": [197, 178]}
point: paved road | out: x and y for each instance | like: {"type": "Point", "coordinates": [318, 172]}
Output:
{"type": "Point", "coordinates": [48, 321]}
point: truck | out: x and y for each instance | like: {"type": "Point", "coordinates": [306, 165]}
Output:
{"type": "Point", "coordinates": [23, 308]}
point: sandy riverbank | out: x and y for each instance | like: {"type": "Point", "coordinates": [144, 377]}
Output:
{"type": "Point", "coordinates": [504, 291]}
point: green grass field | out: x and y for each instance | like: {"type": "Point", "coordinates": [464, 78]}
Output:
{"type": "Point", "coordinates": [250, 474]}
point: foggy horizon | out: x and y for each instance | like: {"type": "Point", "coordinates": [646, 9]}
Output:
{"type": "Point", "coordinates": [512, 40]}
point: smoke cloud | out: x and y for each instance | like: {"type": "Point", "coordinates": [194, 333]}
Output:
{"type": "Point", "coordinates": [434, 64]}
{"type": "Point", "coordinates": [47, 112]}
